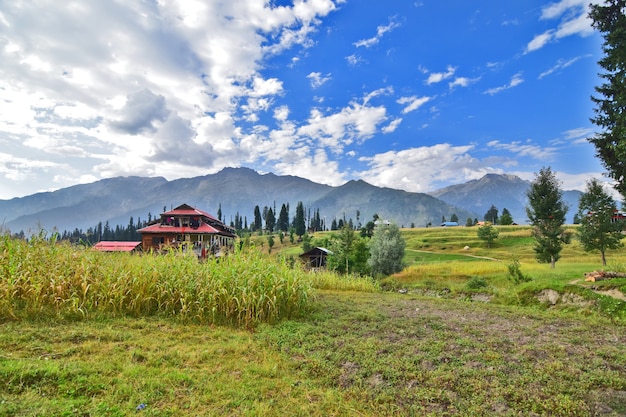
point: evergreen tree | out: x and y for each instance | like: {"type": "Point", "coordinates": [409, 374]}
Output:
{"type": "Point", "coordinates": [270, 220]}
{"type": "Point", "coordinates": [333, 225]}
{"type": "Point", "coordinates": [454, 218]}
{"type": "Point", "coordinates": [219, 213]}
{"type": "Point", "coordinates": [491, 215]}
{"type": "Point", "coordinates": [598, 230]}
{"type": "Point", "coordinates": [506, 219]}
{"type": "Point", "coordinates": [469, 222]}
{"type": "Point", "coordinates": [258, 221]}
{"type": "Point", "coordinates": [609, 18]}
{"type": "Point", "coordinates": [283, 219]}
{"type": "Point", "coordinates": [299, 221]}
{"type": "Point", "coordinates": [546, 212]}
{"type": "Point", "coordinates": [386, 250]}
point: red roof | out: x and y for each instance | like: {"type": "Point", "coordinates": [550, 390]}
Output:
{"type": "Point", "coordinates": [187, 210]}
{"type": "Point", "coordinates": [159, 228]}
{"type": "Point", "coordinates": [110, 246]}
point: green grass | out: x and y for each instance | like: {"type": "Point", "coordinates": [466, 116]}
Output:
{"type": "Point", "coordinates": [355, 353]}
{"type": "Point", "coordinates": [462, 339]}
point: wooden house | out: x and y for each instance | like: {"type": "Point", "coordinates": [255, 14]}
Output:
{"type": "Point", "coordinates": [315, 258]}
{"type": "Point", "coordinates": [190, 229]}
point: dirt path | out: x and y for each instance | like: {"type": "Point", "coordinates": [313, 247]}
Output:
{"type": "Point", "coordinates": [461, 254]}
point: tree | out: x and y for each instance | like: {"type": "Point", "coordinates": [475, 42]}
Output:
{"type": "Point", "coordinates": [469, 222]}
{"type": "Point", "coordinates": [488, 233]}
{"type": "Point", "coordinates": [219, 212]}
{"type": "Point", "coordinates": [609, 18]}
{"type": "Point", "coordinates": [597, 229]}
{"type": "Point", "coordinates": [546, 213]}
{"type": "Point", "coordinates": [386, 250]}
{"type": "Point", "coordinates": [283, 219]}
{"type": "Point", "coordinates": [270, 220]}
{"type": "Point", "coordinates": [491, 215]}
{"type": "Point", "coordinates": [299, 223]}
{"type": "Point", "coordinates": [506, 219]}
{"type": "Point", "coordinates": [258, 220]}
{"type": "Point", "coordinates": [454, 218]}
{"type": "Point", "coordinates": [341, 248]}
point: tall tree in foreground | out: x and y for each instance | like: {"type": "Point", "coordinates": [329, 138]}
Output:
{"type": "Point", "coordinates": [610, 20]}
{"type": "Point", "coordinates": [386, 250]}
{"type": "Point", "coordinates": [546, 213]}
{"type": "Point", "coordinates": [597, 229]}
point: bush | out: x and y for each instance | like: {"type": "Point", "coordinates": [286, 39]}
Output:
{"type": "Point", "coordinates": [515, 273]}
{"type": "Point", "coordinates": [477, 283]}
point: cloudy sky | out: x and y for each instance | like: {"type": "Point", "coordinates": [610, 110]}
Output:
{"type": "Point", "coordinates": [414, 95]}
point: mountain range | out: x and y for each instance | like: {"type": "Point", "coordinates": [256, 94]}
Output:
{"type": "Point", "coordinates": [239, 190]}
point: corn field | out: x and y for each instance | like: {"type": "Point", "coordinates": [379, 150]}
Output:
{"type": "Point", "coordinates": [45, 278]}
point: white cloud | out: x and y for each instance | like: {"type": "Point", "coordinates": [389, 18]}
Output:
{"type": "Point", "coordinates": [462, 82]}
{"type": "Point", "coordinates": [413, 103]}
{"type": "Point", "coordinates": [561, 64]}
{"type": "Point", "coordinates": [527, 149]}
{"type": "Point", "coordinates": [422, 169]}
{"type": "Point", "coordinates": [436, 77]}
{"type": "Point", "coordinates": [539, 41]}
{"type": "Point", "coordinates": [356, 122]}
{"type": "Point", "coordinates": [317, 80]}
{"type": "Point", "coordinates": [380, 32]}
{"type": "Point", "coordinates": [515, 81]}
{"type": "Point", "coordinates": [573, 19]}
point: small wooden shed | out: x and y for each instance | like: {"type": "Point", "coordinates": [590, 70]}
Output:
{"type": "Point", "coordinates": [315, 258]}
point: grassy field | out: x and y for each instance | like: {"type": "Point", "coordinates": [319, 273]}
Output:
{"type": "Point", "coordinates": [459, 339]}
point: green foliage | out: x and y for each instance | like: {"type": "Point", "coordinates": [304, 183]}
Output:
{"type": "Point", "coordinates": [477, 283]}
{"type": "Point", "coordinates": [515, 273]}
{"type": "Point", "coordinates": [598, 231]}
{"type": "Point", "coordinates": [506, 219]}
{"type": "Point", "coordinates": [349, 252]}
{"type": "Point", "coordinates": [488, 233]}
{"type": "Point", "coordinates": [491, 215]}
{"type": "Point", "coordinates": [546, 212]}
{"type": "Point", "coordinates": [299, 223]}
{"type": "Point", "coordinates": [609, 18]}
{"type": "Point", "coordinates": [386, 250]}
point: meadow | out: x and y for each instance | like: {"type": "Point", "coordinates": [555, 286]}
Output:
{"type": "Point", "coordinates": [92, 334]}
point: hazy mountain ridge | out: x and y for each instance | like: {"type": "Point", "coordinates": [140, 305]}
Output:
{"type": "Point", "coordinates": [501, 190]}
{"type": "Point", "coordinates": [239, 190]}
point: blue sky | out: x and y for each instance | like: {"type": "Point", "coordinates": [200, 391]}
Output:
{"type": "Point", "coordinates": [413, 95]}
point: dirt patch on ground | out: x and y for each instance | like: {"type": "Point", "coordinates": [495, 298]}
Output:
{"type": "Point", "coordinates": [613, 292]}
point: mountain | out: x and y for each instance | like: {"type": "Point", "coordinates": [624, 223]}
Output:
{"type": "Point", "coordinates": [502, 191]}
{"type": "Point", "coordinates": [234, 190]}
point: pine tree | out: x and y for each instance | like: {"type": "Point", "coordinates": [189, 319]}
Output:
{"type": "Point", "coordinates": [609, 18]}
{"type": "Point", "coordinates": [270, 220]}
{"type": "Point", "coordinates": [598, 230]}
{"type": "Point", "coordinates": [299, 221]}
{"type": "Point", "coordinates": [258, 221]}
{"type": "Point", "coordinates": [506, 219]}
{"type": "Point", "coordinates": [546, 213]}
{"type": "Point", "coordinates": [283, 219]}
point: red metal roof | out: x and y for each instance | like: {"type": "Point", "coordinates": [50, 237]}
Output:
{"type": "Point", "coordinates": [187, 210]}
{"type": "Point", "coordinates": [111, 246]}
{"type": "Point", "coordinates": [202, 229]}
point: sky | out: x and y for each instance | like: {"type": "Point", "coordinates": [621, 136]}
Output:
{"type": "Point", "coordinates": [408, 94]}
